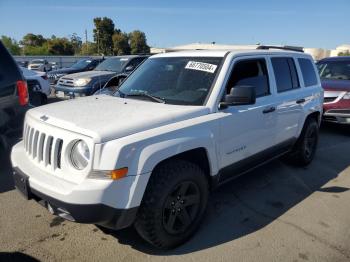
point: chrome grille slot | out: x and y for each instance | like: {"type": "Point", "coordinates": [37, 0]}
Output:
{"type": "Point", "coordinates": [41, 147]}
{"type": "Point", "coordinates": [35, 143]}
{"type": "Point", "coordinates": [59, 153]}
{"type": "Point", "coordinates": [49, 149]}
{"type": "Point", "coordinates": [30, 144]}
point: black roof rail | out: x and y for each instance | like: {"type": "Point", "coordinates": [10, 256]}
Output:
{"type": "Point", "coordinates": [286, 47]}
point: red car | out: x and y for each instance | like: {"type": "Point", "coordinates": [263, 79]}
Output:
{"type": "Point", "coordinates": [335, 76]}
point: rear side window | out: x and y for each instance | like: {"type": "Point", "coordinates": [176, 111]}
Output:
{"type": "Point", "coordinates": [285, 73]}
{"type": "Point", "coordinates": [308, 71]}
{"type": "Point", "coordinates": [252, 72]}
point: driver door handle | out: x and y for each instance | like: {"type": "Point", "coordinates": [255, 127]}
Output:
{"type": "Point", "coordinates": [300, 101]}
{"type": "Point", "coordinates": [269, 110]}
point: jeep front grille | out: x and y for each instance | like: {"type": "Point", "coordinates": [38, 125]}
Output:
{"type": "Point", "coordinates": [42, 148]}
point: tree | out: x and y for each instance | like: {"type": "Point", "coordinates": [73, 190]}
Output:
{"type": "Point", "coordinates": [103, 32]}
{"type": "Point", "coordinates": [76, 42]}
{"type": "Point", "coordinates": [60, 46]}
{"type": "Point", "coordinates": [11, 44]}
{"type": "Point", "coordinates": [138, 42]}
{"type": "Point", "coordinates": [121, 44]}
{"type": "Point", "coordinates": [88, 49]}
{"type": "Point", "coordinates": [36, 50]}
{"type": "Point", "coordinates": [345, 53]}
{"type": "Point", "coordinates": [33, 40]}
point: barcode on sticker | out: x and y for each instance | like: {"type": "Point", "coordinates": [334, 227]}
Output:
{"type": "Point", "coordinates": [201, 66]}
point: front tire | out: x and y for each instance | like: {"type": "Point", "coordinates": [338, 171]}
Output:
{"type": "Point", "coordinates": [305, 148]}
{"type": "Point", "coordinates": [173, 204]}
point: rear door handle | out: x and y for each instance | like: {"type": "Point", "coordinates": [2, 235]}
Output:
{"type": "Point", "coordinates": [300, 101]}
{"type": "Point", "coordinates": [269, 110]}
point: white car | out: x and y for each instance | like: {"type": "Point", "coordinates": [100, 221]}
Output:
{"type": "Point", "coordinates": [38, 86]}
{"type": "Point", "coordinates": [180, 125]}
{"type": "Point", "coordinates": [40, 65]}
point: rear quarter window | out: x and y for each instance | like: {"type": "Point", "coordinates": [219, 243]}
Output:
{"type": "Point", "coordinates": [285, 73]}
{"type": "Point", "coordinates": [308, 71]}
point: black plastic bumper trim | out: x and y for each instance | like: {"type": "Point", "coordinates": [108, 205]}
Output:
{"type": "Point", "coordinates": [85, 213]}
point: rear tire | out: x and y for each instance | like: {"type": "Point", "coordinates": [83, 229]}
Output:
{"type": "Point", "coordinates": [173, 204]}
{"type": "Point", "coordinates": [305, 148]}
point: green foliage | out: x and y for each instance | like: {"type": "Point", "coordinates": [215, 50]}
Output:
{"type": "Point", "coordinates": [88, 49]}
{"type": "Point", "coordinates": [346, 53]}
{"type": "Point", "coordinates": [138, 43]}
{"type": "Point", "coordinates": [36, 50]}
{"type": "Point", "coordinates": [103, 32]}
{"type": "Point", "coordinates": [108, 40]}
{"type": "Point", "coordinates": [121, 44]}
{"type": "Point", "coordinates": [76, 42]}
{"type": "Point", "coordinates": [11, 44]}
{"type": "Point", "coordinates": [33, 40]}
{"type": "Point", "coordinates": [60, 46]}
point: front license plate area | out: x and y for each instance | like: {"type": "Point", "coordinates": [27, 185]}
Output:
{"type": "Point", "coordinates": [22, 184]}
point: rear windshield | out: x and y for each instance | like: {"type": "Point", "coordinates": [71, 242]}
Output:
{"type": "Point", "coordinates": [81, 64]}
{"type": "Point", "coordinates": [112, 64]}
{"type": "Point", "coordinates": [337, 70]}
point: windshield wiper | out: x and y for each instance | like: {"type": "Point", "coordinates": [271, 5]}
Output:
{"type": "Point", "coordinates": [151, 97]}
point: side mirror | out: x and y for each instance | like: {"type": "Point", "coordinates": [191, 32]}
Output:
{"type": "Point", "coordinates": [239, 95]}
{"type": "Point", "coordinates": [129, 68]}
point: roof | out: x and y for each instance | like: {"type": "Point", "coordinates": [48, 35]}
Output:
{"type": "Point", "coordinates": [336, 58]}
{"type": "Point", "coordinates": [222, 53]}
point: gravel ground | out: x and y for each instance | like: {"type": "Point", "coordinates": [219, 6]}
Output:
{"type": "Point", "coordinates": [275, 213]}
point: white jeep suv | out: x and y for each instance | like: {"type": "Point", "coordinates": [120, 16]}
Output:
{"type": "Point", "coordinates": [180, 125]}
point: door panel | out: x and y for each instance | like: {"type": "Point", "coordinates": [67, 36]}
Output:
{"type": "Point", "coordinates": [247, 129]}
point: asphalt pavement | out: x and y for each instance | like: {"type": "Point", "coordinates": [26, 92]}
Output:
{"type": "Point", "coordinates": [275, 213]}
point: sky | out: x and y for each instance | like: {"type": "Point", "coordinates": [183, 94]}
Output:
{"type": "Point", "coordinates": [307, 23]}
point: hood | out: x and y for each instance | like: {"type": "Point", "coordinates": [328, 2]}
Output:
{"type": "Point", "coordinates": [90, 74]}
{"type": "Point", "coordinates": [66, 70]}
{"type": "Point", "coordinates": [336, 85]}
{"type": "Point", "coordinates": [105, 118]}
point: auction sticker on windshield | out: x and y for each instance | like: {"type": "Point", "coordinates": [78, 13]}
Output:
{"type": "Point", "coordinates": [200, 66]}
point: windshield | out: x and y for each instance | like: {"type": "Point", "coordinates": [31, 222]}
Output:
{"type": "Point", "coordinates": [339, 70]}
{"type": "Point", "coordinates": [37, 61]}
{"type": "Point", "coordinates": [176, 80]}
{"type": "Point", "coordinates": [81, 64]}
{"type": "Point", "coordinates": [112, 64]}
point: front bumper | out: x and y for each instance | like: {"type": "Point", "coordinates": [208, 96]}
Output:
{"type": "Point", "coordinates": [340, 116]}
{"type": "Point", "coordinates": [86, 213]}
{"type": "Point", "coordinates": [106, 202]}
{"type": "Point", "coordinates": [71, 92]}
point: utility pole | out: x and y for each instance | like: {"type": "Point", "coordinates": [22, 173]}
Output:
{"type": "Point", "coordinates": [86, 42]}
{"type": "Point", "coordinates": [98, 42]}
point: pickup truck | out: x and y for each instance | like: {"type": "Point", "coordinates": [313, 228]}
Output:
{"type": "Point", "coordinates": [13, 96]}
{"type": "Point", "coordinates": [180, 125]}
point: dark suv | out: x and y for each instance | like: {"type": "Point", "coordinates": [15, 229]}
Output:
{"type": "Point", "coordinates": [87, 83]}
{"type": "Point", "coordinates": [13, 95]}
{"type": "Point", "coordinates": [80, 66]}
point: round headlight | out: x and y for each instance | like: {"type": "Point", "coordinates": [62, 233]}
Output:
{"type": "Point", "coordinates": [80, 155]}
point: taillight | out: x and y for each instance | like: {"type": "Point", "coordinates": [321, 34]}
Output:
{"type": "Point", "coordinates": [22, 92]}
{"type": "Point", "coordinates": [44, 76]}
